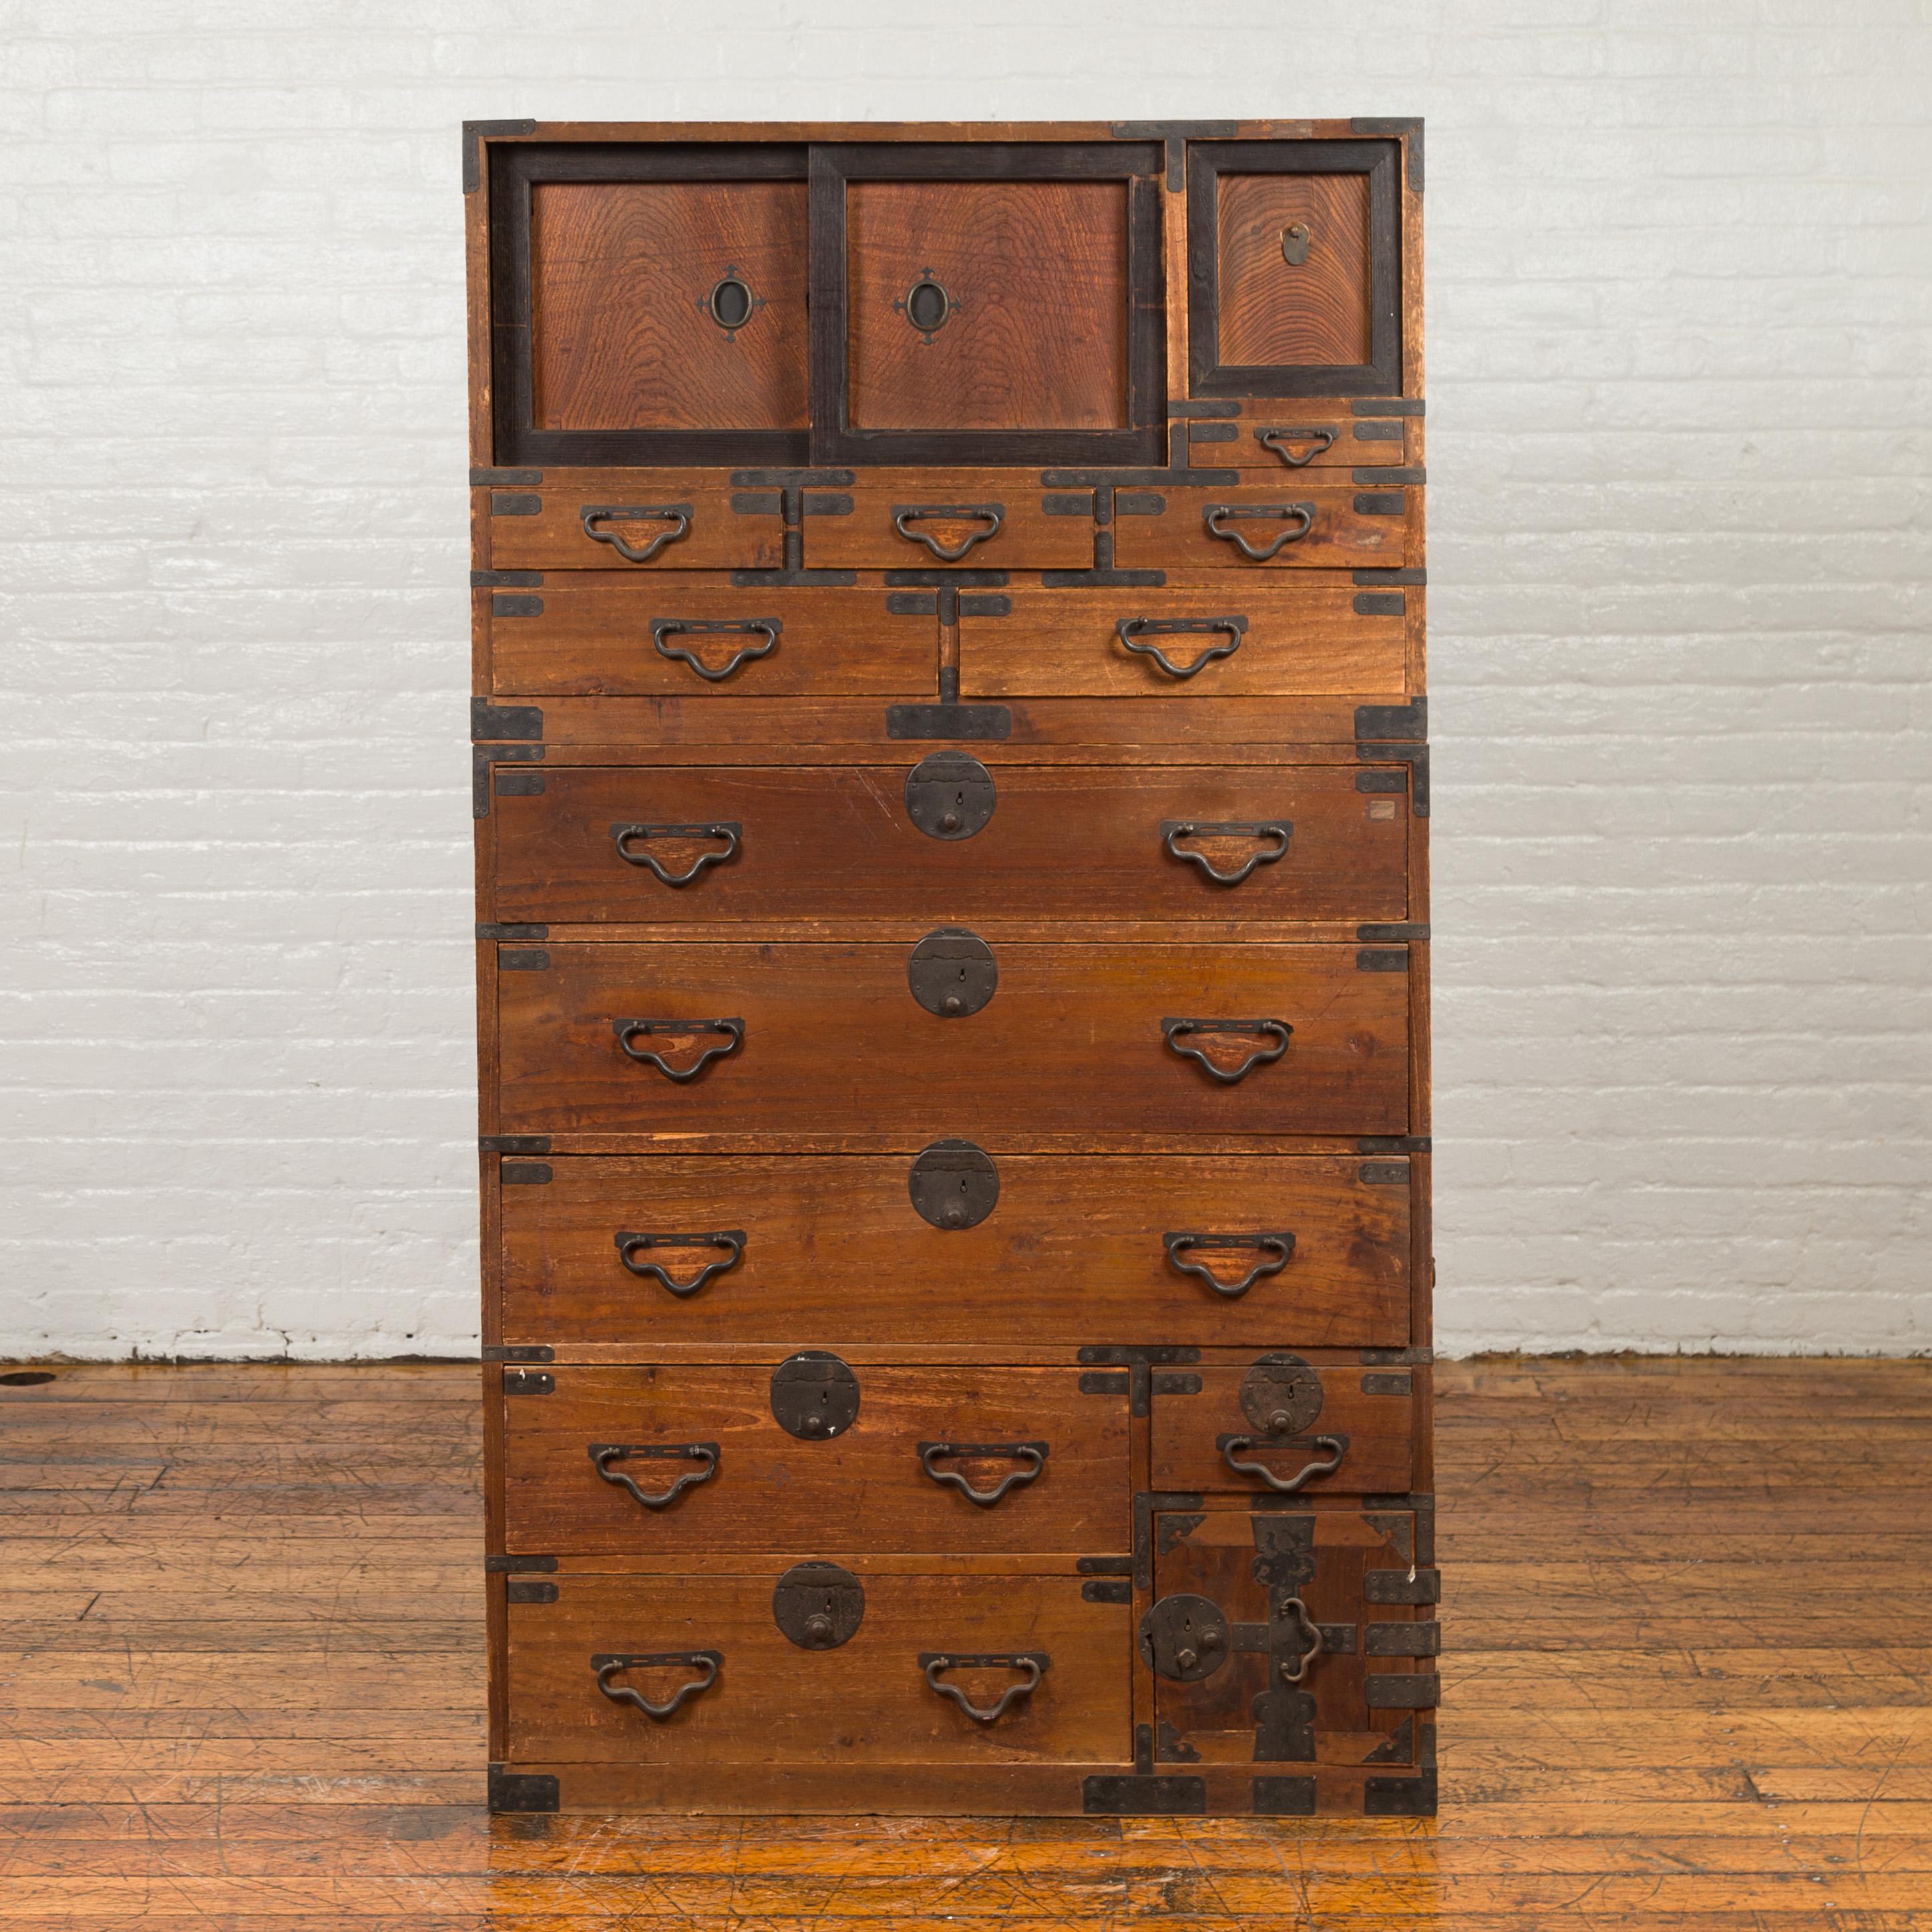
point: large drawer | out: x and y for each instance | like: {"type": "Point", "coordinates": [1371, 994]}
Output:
{"type": "Point", "coordinates": [1271, 526]}
{"type": "Point", "coordinates": [787, 1035]}
{"type": "Point", "coordinates": [1068, 1249]}
{"type": "Point", "coordinates": [666, 844]}
{"type": "Point", "coordinates": [865, 1700]}
{"type": "Point", "coordinates": [670, 1460]}
{"type": "Point", "coordinates": [641, 520]}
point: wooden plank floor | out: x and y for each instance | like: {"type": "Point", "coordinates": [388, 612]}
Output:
{"type": "Point", "coordinates": [1689, 1631]}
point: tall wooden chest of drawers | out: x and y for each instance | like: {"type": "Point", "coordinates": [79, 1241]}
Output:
{"type": "Point", "coordinates": [951, 790]}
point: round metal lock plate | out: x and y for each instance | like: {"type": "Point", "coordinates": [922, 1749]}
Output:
{"type": "Point", "coordinates": [818, 1606]}
{"type": "Point", "coordinates": [1281, 1395]}
{"type": "Point", "coordinates": [950, 795]}
{"type": "Point", "coordinates": [815, 1395]}
{"type": "Point", "coordinates": [1185, 1638]}
{"type": "Point", "coordinates": [952, 973]}
{"type": "Point", "coordinates": [954, 1184]}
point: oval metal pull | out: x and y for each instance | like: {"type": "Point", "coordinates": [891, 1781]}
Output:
{"type": "Point", "coordinates": [927, 304]}
{"type": "Point", "coordinates": [603, 1454]}
{"type": "Point", "coordinates": [606, 1668]}
{"type": "Point", "coordinates": [676, 517]}
{"type": "Point", "coordinates": [991, 515]}
{"type": "Point", "coordinates": [1294, 241]}
{"type": "Point", "coordinates": [627, 1031]}
{"type": "Point", "coordinates": [1311, 1631]}
{"type": "Point", "coordinates": [767, 627]}
{"type": "Point", "coordinates": [1177, 1033]}
{"type": "Point", "coordinates": [1283, 1485]}
{"type": "Point", "coordinates": [1297, 519]}
{"type": "Point", "coordinates": [1278, 439]}
{"type": "Point", "coordinates": [630, 1246]}
{"type": "Point", "coordinates": [1034, 1662]}
{"type": "Point", "coordinates": [727, 830]}
{"type": "Point", "coordinates": [1131, 630]}
{"type": "Point", "coordinates": [1173, 830]}
{"type": "Point", "coordinates": [1272, 1251]}
{"type": "Point", "coordinates": [1031, 1457]}
{"type": "Point", "coordinates": [731, 303]}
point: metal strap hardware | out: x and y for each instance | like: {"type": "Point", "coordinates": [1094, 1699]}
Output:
{"type": "Point", "coordinates": [991, 515]}
{"type": "Point", "coordinates": [675, 517]}
{"type": "Point", "coordinates": [603, 1454]}
{"type": "Point", "coordinates": [1131, 630]}
{"type": "Point", "coordinates": [1033, 1663]}
{"type": "Point", "coordinates": [1278, 439]}
{"type": "Point", "coordinates": [608, 1667]}
{"type": "Point", "coordinates": [628, 1030]}
{"type": "Point", "coordinates": [766, 628]}
{"type": "Point", "coordinates": [630, 1246]}
{"type": "Point", "coordinates": [727, 830]}
{"type": "Point", "coordinates": [1334, 1446]}
{"type": "Point", "coordinates": [1179, 1032]}
{"type": "Point", "coordinates": [1298, 519]}
{"type": "Point", "coordinates": [1271, 1251]}
{"type": "Point", "coordinates": [1173, 830]}
{"type": "Point", "coordinates": [1311, 1632]}
{"type": "Point", "coordinates": [1031, 1456]}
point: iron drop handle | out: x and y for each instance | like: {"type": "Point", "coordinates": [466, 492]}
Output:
{"type": "Point", "coordinates": [1278, 439]}
{"type": "Point", "coordinates": [1031, 1457]}
{"type": "Point", "coordinates": [1033, 1663]}
{"type": "Point", "coordinates": [991, 515]}
{"type": "Point", "coordinates": [1297, 520]}
{"type": "Point", "coordinates": [630, 1030]}
{"type": "Point", "coordinates": [1311, 1632]}
{"type": "Point", "coordinates": [1131, 630]}
{"type": "Point", "coordinates": [675, 517]}
{"type": "Point", "coordinates": [1272, 1252]}
{"type": "Point", "coordinates": [766, 628]}
{"type": "Point", "coordinates": [603, 1454]}
{"type": "Point", "coordinates": [1334, 1446]}
{"type": "Point", "coordinates": [1177, 1032]}
{"type": "Point", "coordinates": [608, 1667]}
{"type": "Point", "coordinates": [625, 835]}
{"type": "Point", "coordinates": [630, 1246]}
{"type": "Point", "coordinates": [1174, 830]}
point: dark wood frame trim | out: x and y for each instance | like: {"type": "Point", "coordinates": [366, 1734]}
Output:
{"type": "Point", "coordinates": [1144, 440]}
{"type": "Point", "coordinates": [1382, 375]}
{"type": "Point", "coordinates": [513, 169]}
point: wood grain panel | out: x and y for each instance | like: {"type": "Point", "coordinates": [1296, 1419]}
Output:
{"type": "Point", "coordinates": [1274, 312]}
{"type": "Point", "coordinates": [1347, 528]}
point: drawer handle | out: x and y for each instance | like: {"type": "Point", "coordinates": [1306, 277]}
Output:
{"type": "Point", "coordinates": [1174, 830]}
{"type": "Point", "coordinates": [767, 627]}
{"type": "Point", "coordinates": [1272, 1251]}
{"type": "Point", "coordinates": [1033, 1663]}
{"type": "Point", "coordinates": [603, 1454]}
{"type": "Point", "coordinates": [1283, 1485]}
{"type": "Point", "coordinates": [991, 515]}
{"type": "Point", "coordinates": [1179, 1032]}
{"type": "Point", "coordinates": [728, 830]}
{"type": "Point", "coordinates": [1131, 630]}
{"type": "Point", "coordinates": [608, 1667]}
{"type": "Point", "coordinates": [1299, 519]}
{"type": "Point", "coordinates": [1278, 439]}
{"type": "Point", "coordinates": [677, 523]}
{"type": "Point", "coordinates": [1031, 1457]}
{"type": "Point", "coordinates": [1311, 1632]}
{"type": "Point", "coordinates": [630, 1246]}
{"type": "Point", "coordinates": [628, 1030]}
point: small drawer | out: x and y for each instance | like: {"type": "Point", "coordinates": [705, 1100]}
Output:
{"type": "Point", "coordinates": [1279, 1426]}
{"type": "Point", "coordinates": [1259, 640]}
{"type": "Point", "coordinates": [649, 519]}
{"type": "Point", "coordinates": [1289, 439]}
{"type": "Point", "coordinates": [597, 634]}
{"type": "Point", "coordinates": [1052, 1656]}
{"type": "Point", "coordinates": [971, 522]}
{"type": "Point", "coordinates": [672, 1459]}
{"type": "Point", "coordinates": [1276, 526]}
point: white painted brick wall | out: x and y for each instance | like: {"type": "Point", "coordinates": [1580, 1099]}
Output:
{"type": "Point", "coordinates": [1678, 290]}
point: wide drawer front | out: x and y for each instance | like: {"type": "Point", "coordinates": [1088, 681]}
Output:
{"type": "Point", "coordinates": [670, 1460]}
{"type": "Point", "coordinates": [943, 838]}
{"type": "Point", "coordinates": [990, 524]}
{"type": "Point", "coordinates": [869, 1691]}
{"type": "Point", "coordinates": [652, 519]}
{"type": "Point", "coordinates": [1289, 1636]}
{"type": "Point", "coordinates": [1271, 526]}
{"type": "Point", "coordinates": [1287, 438]}
{"type": "Point", "coordinates": [723, 1037]}
{"type": "Point", "coordinates": [958, 1246]}
{"type": "Point", "coordinates": [1281, 1426]}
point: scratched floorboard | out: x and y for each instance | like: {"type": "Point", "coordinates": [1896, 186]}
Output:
{"type": "Point", "coordinates": [1687, 1684]}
